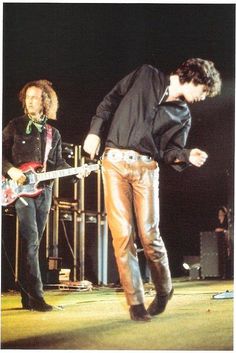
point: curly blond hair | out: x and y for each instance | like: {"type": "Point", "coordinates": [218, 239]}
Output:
{"type": "Point", "coordinates": [49, 97]}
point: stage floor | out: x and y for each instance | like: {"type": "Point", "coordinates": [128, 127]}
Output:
{"type": "Point", "coordinates": [99, 320]}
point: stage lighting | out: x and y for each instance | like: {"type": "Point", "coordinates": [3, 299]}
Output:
{"type": "Point", "coordinates": [186, 266]}
{"type": "Point", "coordinates": [192, 265]}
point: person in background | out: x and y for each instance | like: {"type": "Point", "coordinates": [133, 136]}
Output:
{"type": "Point", "coordinates": [149, 121]}
{"type": "Point", "coordinates": [222, 222]}
{"type": "Point", "coordinates": [24, 141]}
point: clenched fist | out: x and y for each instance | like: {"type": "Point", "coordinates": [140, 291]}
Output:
{"type": "Point", "coordinates": [197, 157]}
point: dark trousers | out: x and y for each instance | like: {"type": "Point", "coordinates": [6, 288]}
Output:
{"type": "Point", "coordinates": [32, 223]}
{"type": "Point", "coordinates": [224, 259]}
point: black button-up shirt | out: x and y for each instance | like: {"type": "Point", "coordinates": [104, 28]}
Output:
{"type": "Point", "coordinates": [139, 118]}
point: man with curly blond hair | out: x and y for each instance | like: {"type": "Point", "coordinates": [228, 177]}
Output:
{"type": "Point", "coordinates": [149, 122]}
{"type": "Point", "coordinates": [26, 140]}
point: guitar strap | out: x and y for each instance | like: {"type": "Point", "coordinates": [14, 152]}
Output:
{"type": "Point", "coordinates": [48, 145]}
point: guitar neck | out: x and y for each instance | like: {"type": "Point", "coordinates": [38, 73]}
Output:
{"type": "Point", "coordinates": [66, 172]}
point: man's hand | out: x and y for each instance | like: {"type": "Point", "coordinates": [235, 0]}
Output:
{"type": "Point", "coordinates": [84, 172]}
{"type": "Point", "coordinates": [17, 175]}
{"type": "Point", "coordinates": [92, 145]}
{"type": "Point", "coordinates": [219, 230]}
{"type": "Point", "coordinates": [197, 157]}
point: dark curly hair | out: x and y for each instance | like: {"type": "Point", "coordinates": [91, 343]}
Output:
{"type": "Point", "coordinates": [49, 97]}
{"type": "Point", "coordinates": [200, 72]}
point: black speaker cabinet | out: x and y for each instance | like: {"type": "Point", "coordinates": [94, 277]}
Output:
{"type": "Point", "coordinates": [209, 254]}
{"type": "Point", "coordinates": [91, 251]}
{"type": "Point", "coordinates": [8, 249]}
{"type": "Point", "coordinates": [91, 256]}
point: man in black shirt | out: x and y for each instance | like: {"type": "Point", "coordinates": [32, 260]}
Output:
{"type": "Point", "coordinates": [149, 122]}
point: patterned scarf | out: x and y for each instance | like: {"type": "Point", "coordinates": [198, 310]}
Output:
{"type": "Point", "coordinates": [38, 124]}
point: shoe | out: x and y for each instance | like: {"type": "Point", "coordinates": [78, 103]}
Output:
{"type": "Point", "coordinates": [26, 306]}
{"type": "Point", "coordinates": [25, 303]}
{"type": "Point", "coordinates": [159, 303]}
{"type": "Point", "coordinates": [139, 313]}
{"type": "Point", "coordinates": [39, 304]}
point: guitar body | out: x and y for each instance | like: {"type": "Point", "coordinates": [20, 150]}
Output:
{"type": "Point", "coordinates": [11, 190]}
{"type": "Point", "coordinates": [32, 170]}
{"type": "Point", "coordinates": [33, 166]}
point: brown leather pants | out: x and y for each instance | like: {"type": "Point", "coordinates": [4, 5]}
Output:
{"type": "Point", "coordinates": [131, 190]}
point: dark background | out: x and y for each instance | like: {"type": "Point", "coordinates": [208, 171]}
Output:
{"type": "Point", "coordinates": [84, 49]}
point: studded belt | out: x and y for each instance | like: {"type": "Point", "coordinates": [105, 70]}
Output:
{"type": "Point", "coordinates": [117, 155]}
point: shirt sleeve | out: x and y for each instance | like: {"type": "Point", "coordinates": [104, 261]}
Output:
{"type": "Point", "coordinates": [175, 149]}
{"type": "Point", "coordinates": [111, 101]}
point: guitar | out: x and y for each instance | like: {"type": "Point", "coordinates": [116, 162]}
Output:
{"type": "Point", "coordinates": [11, 191]}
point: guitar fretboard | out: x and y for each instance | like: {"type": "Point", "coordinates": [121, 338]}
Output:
{"type": "Point", "coordinates": [66, 172]}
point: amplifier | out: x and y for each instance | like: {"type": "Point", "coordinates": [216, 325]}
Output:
{"type": "Point", "coordinates": [209, 259]}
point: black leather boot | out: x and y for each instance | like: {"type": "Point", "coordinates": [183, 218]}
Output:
{"type": "Point", "coordinates": [39, 304]}
{"type": "Point", "coordinates": [25, 304]}
{"type": "Point", "coordinates": [139, 313]}
{"type": "Point", "coordinates": [25, 301]}
{"type": "Point", "coordinates": [159, 303]}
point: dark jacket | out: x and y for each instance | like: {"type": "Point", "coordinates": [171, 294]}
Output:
{"type": "Point", "coordinates": [140, 119]}
{"type": "Point", "coordinates": [20, 148]}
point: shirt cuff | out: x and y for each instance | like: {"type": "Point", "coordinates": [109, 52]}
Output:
{"type": "Point", "coordinates": [96, 127]}
{"type": "Point", "coordinates": [183, 155]}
